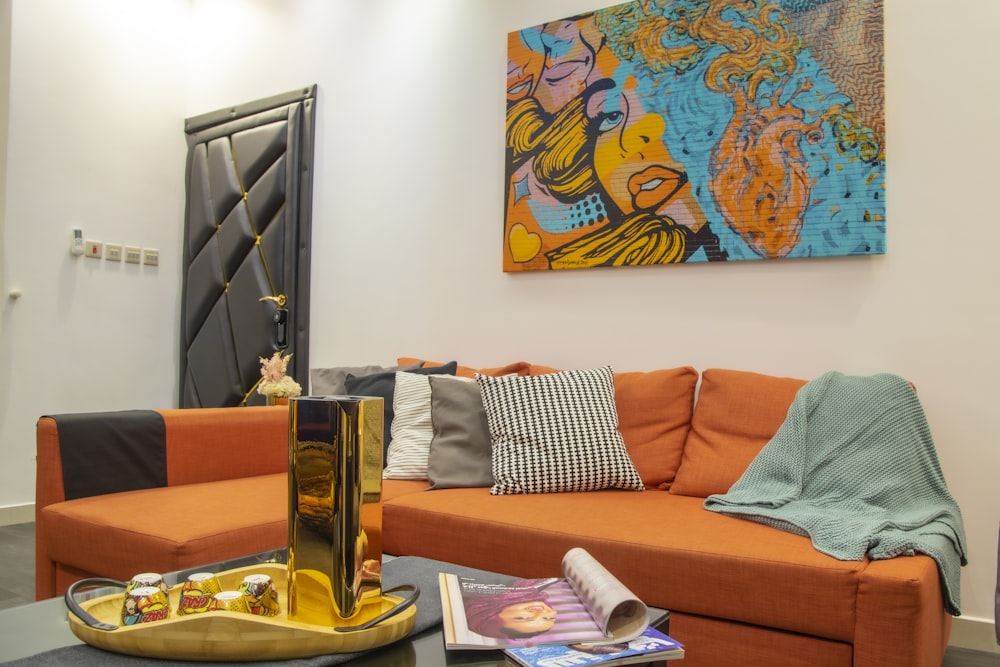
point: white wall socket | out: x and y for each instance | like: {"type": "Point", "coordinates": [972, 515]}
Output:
{"type": "Point", "coordinates": [93, 249]}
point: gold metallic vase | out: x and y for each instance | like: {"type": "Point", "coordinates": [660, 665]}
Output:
{"type": "Point", "coordinates": [334, 488]}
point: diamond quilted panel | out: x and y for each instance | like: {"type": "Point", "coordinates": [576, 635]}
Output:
{"type": "Point", "coordinates": [225, 189]}
{"type": "Point", "coordinates": [211, 354]}
{"type": "Point", "coordinates": [252, 318]}
{"type": "Point", "coordinates": [200, 218]}
{"type": "Point", "coordinates": [203, 288]}
{"type": "Point", "coordinates": [267, 196]}
{"type": "Point", "coordinates": [258, 148]}
{"type": "Point", "coordinates": [236, 240]}
{"type": "Point", "coordinates": [272, 244]}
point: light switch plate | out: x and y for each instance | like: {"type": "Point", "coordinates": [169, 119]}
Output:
{"type": "Point", "coordinates": [133, 254]}
{"type": "Point", "coordinates": [113, 252]}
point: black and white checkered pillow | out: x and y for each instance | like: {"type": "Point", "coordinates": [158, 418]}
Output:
{"type": "Point", "coordinates": [556, 432]}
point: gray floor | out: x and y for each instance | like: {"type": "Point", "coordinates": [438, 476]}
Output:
{"type": "Point", "coordinates": [17, 575]}
{"type": "Point", "coordinates": [17, 587]}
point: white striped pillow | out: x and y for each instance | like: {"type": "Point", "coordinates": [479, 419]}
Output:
{"type": "Point", "coordinates": [412, 430]}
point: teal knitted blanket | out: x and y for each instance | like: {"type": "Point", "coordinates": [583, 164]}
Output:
{"type": "Point", "coordinates": [854, 468]}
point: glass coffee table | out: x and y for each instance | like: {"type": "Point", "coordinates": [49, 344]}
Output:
{"type": "Point", "coordinates": [43, 626]}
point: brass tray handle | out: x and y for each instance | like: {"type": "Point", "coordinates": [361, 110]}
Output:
{"type": "Point", "coordinates": [405, 603]}
{"type": "Point", "coordinates": [78, 611]}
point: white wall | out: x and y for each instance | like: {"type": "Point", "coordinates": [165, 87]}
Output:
{"type": "Point", "coordinates": [96, 140]}
{"type": "Point", "coordinates": [407, 220]}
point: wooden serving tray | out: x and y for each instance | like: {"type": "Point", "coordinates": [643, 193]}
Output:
{"type": "Point", "coordinates": [226, 635]}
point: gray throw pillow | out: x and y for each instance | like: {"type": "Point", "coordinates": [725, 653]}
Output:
{"type": "Point", "coordinates": [461, 450]}
{"type": "Point", "coordinates": [330, 381]}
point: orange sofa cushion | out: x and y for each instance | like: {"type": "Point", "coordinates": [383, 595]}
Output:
{"type": "Point", "coordinates": [168, 528]}
{"type": "Point", "coordinates": [736, 414]}
{"type": "Point", "coordinates": [654, 416]}
{"type": "Point", "coordinates": [710, 565]}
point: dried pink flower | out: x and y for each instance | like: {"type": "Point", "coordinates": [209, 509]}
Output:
{"type": "Point", "coordinates": [274, 378]}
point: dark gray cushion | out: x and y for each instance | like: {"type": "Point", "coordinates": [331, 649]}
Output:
{"type": "Point", "coordinates": [330, 381]}
{"type": "Point", "coordinates": [461, 450]}
{"type": "Point", "coordinates": [384, 384]}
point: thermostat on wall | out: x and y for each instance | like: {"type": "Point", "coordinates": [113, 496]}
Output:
{"type": "Point", "coordinates": [76, 247]}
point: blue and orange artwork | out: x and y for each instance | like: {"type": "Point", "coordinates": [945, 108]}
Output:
{"type": "Point", "coordinates": [672, 131]}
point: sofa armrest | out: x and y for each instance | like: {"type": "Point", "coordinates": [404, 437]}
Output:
{"type": "Point", "coordinates": [201, 445]}
{"type": "Point", "coordinates": [901, 618]}
{"type": "Point", "coordinates": [48, 465]}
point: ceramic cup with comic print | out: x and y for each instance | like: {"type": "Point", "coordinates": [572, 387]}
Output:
{"type": "Point", "coordinates": [260, 594]}
{"type": "Point", "coordinates": [229, 601]}
{"type": "Point", "coordinates": [197, 592]}
{"type": "Point", "coordinates": [148, 579]}
{"type": "Point", "coordinates": [144, 604]}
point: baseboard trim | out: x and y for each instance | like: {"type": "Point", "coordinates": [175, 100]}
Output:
{"type": "Point", "coordinates": [15, 514]}
{"type": "Point", "coordinates": [976, 634]}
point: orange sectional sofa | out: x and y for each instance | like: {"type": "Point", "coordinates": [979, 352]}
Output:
{"type": "Point", "coordinates": [739, 592]}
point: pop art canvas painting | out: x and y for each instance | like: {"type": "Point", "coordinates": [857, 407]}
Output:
{"type": "Point", "coordinates": [681, 131]}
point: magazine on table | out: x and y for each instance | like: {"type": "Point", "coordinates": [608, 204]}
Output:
{"type": "Point", "coordinates": [651, 645]}
{"type": "Point", "coordinates": [588, 604]}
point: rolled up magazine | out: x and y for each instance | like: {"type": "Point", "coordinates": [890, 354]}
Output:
{"type": "Point", "coordinates": [589, 604]}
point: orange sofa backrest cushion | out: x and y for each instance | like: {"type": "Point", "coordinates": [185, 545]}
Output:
{"type": "Point", "coordinates": [654, 416]}
{"type": "Point", "coordinates": [736, 414]}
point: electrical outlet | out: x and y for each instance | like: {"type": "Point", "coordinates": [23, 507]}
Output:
{"type": "Point", "coordinates": [93, 249]}
{"type": "Point", "coordinates": [150, 257]}
{"type": "Point", "coordinates": [133, 254]}
{"type": "Point", "coordinates": [113, 252]}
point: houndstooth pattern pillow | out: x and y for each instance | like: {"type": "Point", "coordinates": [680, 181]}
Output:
{"type": "Point", "coordinates": [556, 432]}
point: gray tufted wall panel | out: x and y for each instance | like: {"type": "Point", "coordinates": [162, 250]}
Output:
{"type": "Point", "coordinates": [246, 245]}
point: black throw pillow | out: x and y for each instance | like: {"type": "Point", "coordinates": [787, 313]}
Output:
{"type": "Point", "coordinates": [384, 385]}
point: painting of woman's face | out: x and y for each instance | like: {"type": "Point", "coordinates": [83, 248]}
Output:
{"type": "Point", "coordinates": [630, 159]}
{"type": "Point", "coordinates": [569, 61]}
{"type": "Point", "coordinates": [524, 67]}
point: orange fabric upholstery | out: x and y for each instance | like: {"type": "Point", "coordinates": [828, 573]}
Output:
{"type": "Point", "coordinates": [736, 414]}
{"type": "Point", "coordinates": [654, 415]}
{"type": "Point", "coordinates": [543, 370]}
{"type": "Point", "coordinates": [748, 594]}
{"type": "Point", "coordinates": [201, 443]}
{"type": "Point", "coordinates": [895, 601]}
{"type": "Point", "coordinates": [718, 565]}
{"type": "Point", "coordinates": [710, 642]}
{"type": "Point", "coordinates": [95, 536]}
{"type": "Point", "coordinates": [168, 528]}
